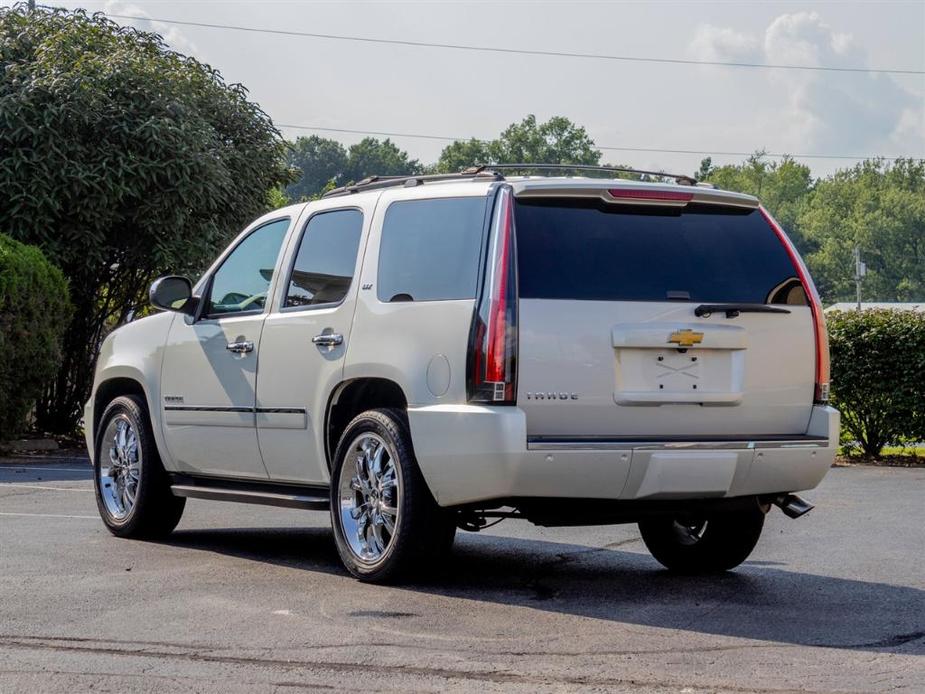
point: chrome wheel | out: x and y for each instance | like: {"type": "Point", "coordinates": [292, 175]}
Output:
{"type": "Point", "coordinates": [120, 467]}
{"type": "Point", "coordinates": [369, 490]}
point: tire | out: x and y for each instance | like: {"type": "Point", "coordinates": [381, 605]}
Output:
{"type": "Point", "coordinates": [387, 525]}
{"type": "Point", "coordinates": [132, 489]}
{"type": "Point", "coordinates": [703, 545]}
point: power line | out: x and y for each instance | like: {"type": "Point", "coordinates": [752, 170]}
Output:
{"type": "Point", "coordinates": [522, 51]}
{"type": "Point", "coordinates": [447, 138]}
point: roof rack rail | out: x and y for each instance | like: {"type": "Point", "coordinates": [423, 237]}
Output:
{"type": "Point", "coordinates": [492, 172]}
{"type": "Point", "coordinates": [375, 182]}
{"type": "Point", "coordinates": [680, 179]}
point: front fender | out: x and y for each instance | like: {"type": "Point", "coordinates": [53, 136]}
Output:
{"type": "Point", "coordinates": [135, 352]}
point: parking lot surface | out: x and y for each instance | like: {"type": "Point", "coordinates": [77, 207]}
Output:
{"type": "Point", "coordinates": [253, 599]}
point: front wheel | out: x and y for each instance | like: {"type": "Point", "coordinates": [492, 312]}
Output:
{"type": "Point", "coordinates": [132, 489]}
{"type": "Point", "coordinates": [714, 544]}
{"type": "Point", "coordinates": [386, 522]}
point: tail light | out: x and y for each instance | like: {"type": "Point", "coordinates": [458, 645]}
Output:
{"type": "Point", "coordinates": [822, 336]}
{"type": "Point", "coordinates": [492, 360]}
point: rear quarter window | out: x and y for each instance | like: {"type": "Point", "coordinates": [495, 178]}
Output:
{"type": "Point", "coordinates": [595, 251]}
{"type": "Point", "coordinates": [429, 249]}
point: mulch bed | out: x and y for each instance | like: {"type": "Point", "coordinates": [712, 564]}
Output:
{"type": "Point", "coordinates": [885, 461]}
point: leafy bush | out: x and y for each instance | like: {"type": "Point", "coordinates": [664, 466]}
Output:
{"type": "Point", "coordinates": [34, 310]}
{"type": "Point", "coordinates": [878, 375]}
{"type": "Point", "coordinates": [122, 160]}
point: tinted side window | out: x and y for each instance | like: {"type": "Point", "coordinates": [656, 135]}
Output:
{"type": "Point", "coordinates": [241, 283]}
{"type": "Point", "coordinates": [596, 251]}
{"type": "Point", "coordinates": [326, 259]}
{"type": "Point", "coordinates": [430, 249]}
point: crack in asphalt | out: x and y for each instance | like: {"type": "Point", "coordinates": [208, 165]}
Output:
{"type": "Point", "coordinates": [494, 676]}
{"type": "Point", "coordinates": [313, 686]}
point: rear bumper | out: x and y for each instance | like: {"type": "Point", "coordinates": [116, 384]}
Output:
{"type": "Point", "coordinates": [471, 454]}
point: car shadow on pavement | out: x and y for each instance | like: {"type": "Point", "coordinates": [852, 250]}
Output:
{"type": "Point", "coordinates": [758, 601]}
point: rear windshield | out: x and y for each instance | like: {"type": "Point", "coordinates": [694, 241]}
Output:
{"type": "Point", "coordinates": [595, 251]}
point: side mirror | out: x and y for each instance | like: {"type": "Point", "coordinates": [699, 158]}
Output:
{"type": "Point", "coordinates": [172, 293]}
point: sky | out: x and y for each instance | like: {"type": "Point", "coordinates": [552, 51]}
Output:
{"type": "Point", "coordinates": [446, 92]}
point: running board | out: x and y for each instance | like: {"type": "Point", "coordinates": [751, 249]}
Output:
{"type": "Point", "coordinates": [286, 496]}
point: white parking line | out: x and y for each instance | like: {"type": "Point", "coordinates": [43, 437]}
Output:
{"type": "Point", "coordinates": [47, 515]}
{"type": "Point", "coordinates": [38, 486]}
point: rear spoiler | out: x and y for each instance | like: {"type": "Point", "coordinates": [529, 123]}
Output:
{"type": "Point", "coordinates": [621, 193]}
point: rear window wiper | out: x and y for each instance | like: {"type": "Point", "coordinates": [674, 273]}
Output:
{"type": "Point", "coordinates": [733, 310]}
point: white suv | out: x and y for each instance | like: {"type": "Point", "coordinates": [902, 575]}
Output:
{"type": "Point", "coordinates": [426, 353]}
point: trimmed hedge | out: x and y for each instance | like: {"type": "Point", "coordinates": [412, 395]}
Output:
{"type": "Point", "coordinates": [878, 375]}
{"type": "Point", "coordinates": [34, 311]}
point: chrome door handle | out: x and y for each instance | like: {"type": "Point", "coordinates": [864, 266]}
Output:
{"type": "Point", "coordinates": [328, 340]}
{"type": "Point", "coordinates": [241, 347]}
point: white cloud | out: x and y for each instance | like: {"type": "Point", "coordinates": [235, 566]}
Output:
{"type": "Point", "coordinates": [724, 44]}
{"type": "Point", "coordinates": [830, 112]}
{"type": "Point", "coordinates": [174, 38]}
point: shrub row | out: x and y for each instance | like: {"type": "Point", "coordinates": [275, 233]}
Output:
{"type": "Point", "coordinates": [34, 310]}
{"type": "Point", "coordinates": [878, 376]}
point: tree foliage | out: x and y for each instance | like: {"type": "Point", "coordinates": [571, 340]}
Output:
{"type": "Point", "coordinates": [878, 375]}
{"type": "Point", "coordinates": [370, 156]}
{"type": "Point", "coordinates": [121, 159]}
{"type": "Point", "coordinates": [880, 208]}
{"type": "Point", "coordinates": [557, 141]}
{"type": "Point", "coordinates": [319, 161]}
{"type": "Point", "coordinates": [325, 163]}
{"type": "Point", "coordinates": [34, 310]}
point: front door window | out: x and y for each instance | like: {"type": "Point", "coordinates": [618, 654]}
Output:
{"type": "Point", "coordinates": [241, 282]}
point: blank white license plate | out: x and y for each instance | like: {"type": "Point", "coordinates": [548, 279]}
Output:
{"type": "Point", "coordinates": [658, 376]}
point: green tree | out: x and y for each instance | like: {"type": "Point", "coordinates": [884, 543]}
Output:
{"type": "Point", "coordinates": [322, 164]}
{"type": "Point", "coordinates": [706, 169]}
{"type": "Point", "coordinates": [881, 208]}
{"type": "Point", "coordinates": [462, 154]}
{"type": "Point", "coordinates": [121, 159]}
{"type": "Point", "coordinates": [319, 161]}
{"type": "Point", "coordinates": [372, 157]}
{"type": "Point", "coordinates": [557, 141]}
{"type": "Point", "coordinates": [276, 198]}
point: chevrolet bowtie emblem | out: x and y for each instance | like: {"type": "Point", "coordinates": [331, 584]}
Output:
{"type": "Point", "coordinates": [685, 338]}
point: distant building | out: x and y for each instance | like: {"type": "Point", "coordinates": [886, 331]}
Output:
{"type": "Point", "coordinates": [894, 305]}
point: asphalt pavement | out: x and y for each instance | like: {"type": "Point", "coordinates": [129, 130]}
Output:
{"type": "Point", "coordinates": [253, 599]}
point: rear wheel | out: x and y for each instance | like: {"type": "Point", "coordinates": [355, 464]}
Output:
{"type": "Point", "coordinates": [132, 489]}
{"type": "Point", "coordinates": [386, 522]}
{"type": "Point", "coordinates": [703, 545]}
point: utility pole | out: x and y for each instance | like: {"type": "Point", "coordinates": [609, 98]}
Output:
{"type": "Point", "coordinates": [860, 270]}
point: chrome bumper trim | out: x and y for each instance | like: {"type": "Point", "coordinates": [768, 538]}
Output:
{"type": "Point", "coordinates": [548, 443]}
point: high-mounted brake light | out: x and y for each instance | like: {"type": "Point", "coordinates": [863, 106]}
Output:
{"type": "Point", "coordinates": [822, 336]}
{"type": "Point", "coordinates": [653, 195]}
{"type": "Point", "coordinates": [492, 359]}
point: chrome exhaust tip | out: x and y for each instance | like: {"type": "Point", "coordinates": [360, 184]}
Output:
{"type": "Point", "coordinates": [792, 505]}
